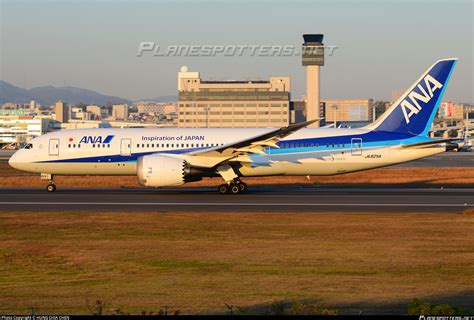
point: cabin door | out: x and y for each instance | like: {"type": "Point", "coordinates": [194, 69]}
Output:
{"type": "Point", "coordinates": [126, 147]}
{"type": "Point", "coordinates": [356, 146]}
{"type": "Point", "coordinates": [54, 147]}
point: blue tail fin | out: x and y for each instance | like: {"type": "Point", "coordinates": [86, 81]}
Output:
{"type": "Point", "coordinates": [414, 111]}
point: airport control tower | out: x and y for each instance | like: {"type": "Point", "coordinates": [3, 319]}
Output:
{"type": "Point", "coordinates": [312, 58]}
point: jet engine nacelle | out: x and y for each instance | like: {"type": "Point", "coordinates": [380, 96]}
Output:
{"type": "Point", "coordinates": [160, 170]}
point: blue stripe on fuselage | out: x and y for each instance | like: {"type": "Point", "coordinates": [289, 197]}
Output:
{"type": "Point", "coordinates": [369, 139]}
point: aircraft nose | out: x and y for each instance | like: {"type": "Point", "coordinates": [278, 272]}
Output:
{"type": "Point", "coordinates": [13, 161]}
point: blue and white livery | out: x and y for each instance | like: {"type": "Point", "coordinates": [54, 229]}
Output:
{"type": "Point", "coordinates": [173, 156]}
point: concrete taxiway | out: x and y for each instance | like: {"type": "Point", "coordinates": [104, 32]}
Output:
{"type": "Point", "coordinates": [258, 199]}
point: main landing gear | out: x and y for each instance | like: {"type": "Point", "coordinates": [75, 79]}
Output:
{"type": "Point", "coordinates": [233, 184]}
{"type": "Point", "coordinates": [235, 187]}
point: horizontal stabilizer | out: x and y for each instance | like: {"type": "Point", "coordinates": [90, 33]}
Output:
{"type": "Point", "coordinates": [428, 143]}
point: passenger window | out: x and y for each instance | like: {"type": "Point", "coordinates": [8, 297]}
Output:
{"type": "Point", "coordinates": [68, 145]}
{"type": "Point", "coordinates": [79, 145]}
{"type": "Point", "coordinates": [138, 145]}
{"type": "Point", "coordinates": [93, 146]}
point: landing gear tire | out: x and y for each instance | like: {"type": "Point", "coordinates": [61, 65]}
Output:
{"type": "Point", "coordinates": [234, 188]}
{"type": "Point", "coordinates": [223, 189]}
{"type": "Point", "coordinates": [242, 186]}
{"type": "Point", "coordinates": [51, 187]}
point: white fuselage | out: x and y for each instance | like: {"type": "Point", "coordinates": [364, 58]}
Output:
{"type": "Point", "coordinates": [321, 151]}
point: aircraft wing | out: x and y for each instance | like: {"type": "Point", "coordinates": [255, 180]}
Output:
{"type": "Point", "coordinates": [239, 151]}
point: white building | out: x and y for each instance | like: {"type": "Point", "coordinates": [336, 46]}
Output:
{"type": "Point", "coordinates": [95, 110]}
{"type": "Point", "coordinates": [80, 114]}
{"type": "Point", "coordinates": [120, 112]}
{"type": "Point", "coordinates": [84, 124]}
{"type": "Point", "coordinates": [19, 130]}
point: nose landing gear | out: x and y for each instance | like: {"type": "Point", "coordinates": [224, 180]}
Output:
{"type": "Point", "coordinates": [51, 187]}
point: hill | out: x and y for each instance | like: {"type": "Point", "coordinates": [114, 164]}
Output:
{"type": "Point", "coordinates": [48, 95]}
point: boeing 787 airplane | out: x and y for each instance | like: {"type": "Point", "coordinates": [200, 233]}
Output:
{"type": "Point", "coordinates": [174, 156]}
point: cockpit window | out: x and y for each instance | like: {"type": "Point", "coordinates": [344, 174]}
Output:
{"type": "Point", "coordinates": [28, 146]}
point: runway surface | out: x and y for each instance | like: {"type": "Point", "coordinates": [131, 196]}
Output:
{"type": "Point", "coordinates": [264, 199]}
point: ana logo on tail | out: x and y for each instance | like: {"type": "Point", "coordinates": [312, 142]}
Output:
{"type": "Point", "coordinates": [409, 109]}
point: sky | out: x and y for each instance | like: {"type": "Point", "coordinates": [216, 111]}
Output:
{"type": "Point", "coordinates": [382, 46]}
